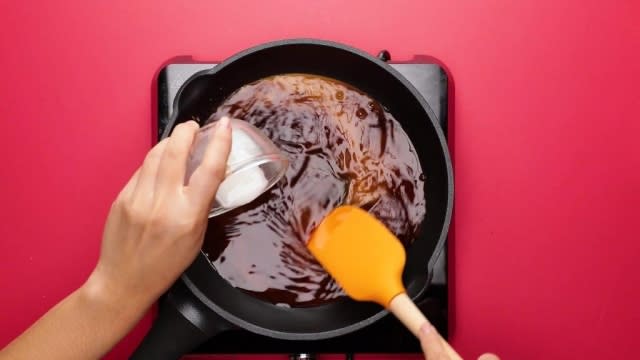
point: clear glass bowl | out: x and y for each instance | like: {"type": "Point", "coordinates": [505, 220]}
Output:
{"type": "Point", "coordinates": [255, 164]}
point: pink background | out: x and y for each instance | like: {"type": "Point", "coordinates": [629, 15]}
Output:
{"type": "Point", "coordinates": [545, 143]}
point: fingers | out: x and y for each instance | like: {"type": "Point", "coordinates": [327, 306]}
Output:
{"type": "Point", "coordinates": [174, 160]}
{"type": "Point", "coordinates": [488, 357]}
{"type": "Point", "coordinates": [145, 183]}
{"type": "Point", "coordinates": [431, 343]}
{"type": "Point", "coordinates": [204, 181]}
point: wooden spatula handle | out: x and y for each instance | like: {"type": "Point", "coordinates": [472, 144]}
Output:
{"type": "Point", "coordinates": [408, 313]}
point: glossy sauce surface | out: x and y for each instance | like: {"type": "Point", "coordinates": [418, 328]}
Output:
{"type": "Point", "coordinates": [343, 148]}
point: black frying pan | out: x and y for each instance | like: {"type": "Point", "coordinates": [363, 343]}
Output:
{"type": "Point", "coordinates": [201, 303]}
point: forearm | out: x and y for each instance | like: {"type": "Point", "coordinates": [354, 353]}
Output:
{"type": "Point", "coordinates": [153, 232]}
{"type": "Point", "coordinates": [85, 325]}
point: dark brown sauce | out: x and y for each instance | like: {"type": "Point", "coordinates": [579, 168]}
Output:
{"type": "Point", "coordinates": [343, 148]}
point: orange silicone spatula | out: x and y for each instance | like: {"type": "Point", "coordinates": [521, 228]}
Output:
{"type": "Point", "coordinates": [367, 260]}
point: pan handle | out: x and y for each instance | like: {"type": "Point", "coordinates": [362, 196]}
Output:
{"type": "Point", "coordinates": [183, 323]}
{"type": "Point", "coordinates": [384, 55]}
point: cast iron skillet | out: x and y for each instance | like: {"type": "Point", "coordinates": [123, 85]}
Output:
{"type": "Point", "coordinates": [201, 303]}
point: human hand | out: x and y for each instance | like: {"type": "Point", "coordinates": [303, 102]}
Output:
{"type": "Point", "coordinates": [153, 232]}
{"type": "Point", "coordinates": [156, 225]}
{"type": "Point", "coordinates": [433, 345]}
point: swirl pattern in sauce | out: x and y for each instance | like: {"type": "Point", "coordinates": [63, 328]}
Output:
{"type": "Point", "coordinates": [344, 148]}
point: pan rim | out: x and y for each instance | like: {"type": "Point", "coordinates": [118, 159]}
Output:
{"type": "Point", "coordinates": [237, 321]}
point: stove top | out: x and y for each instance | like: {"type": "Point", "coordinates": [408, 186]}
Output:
{"type": "Point", "coordinates": [384, 336]}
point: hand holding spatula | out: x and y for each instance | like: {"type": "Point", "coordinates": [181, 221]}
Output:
{"type": "Point", "coordinates": [367, 260]}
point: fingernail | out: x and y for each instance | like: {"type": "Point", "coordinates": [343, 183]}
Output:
{"type": "Point", "coordinates": [225, 122]}
{"type": "Point", "coordinates": [426, 328]}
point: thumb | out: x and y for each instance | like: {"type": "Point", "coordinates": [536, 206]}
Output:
{"type": "Point", "coordinates": [206, 178]}
{"type": "Point", "coordinates": [431, 343]}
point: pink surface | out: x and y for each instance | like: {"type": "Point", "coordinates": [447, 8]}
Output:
{"type": "Point", "coordinates": [545, 144]}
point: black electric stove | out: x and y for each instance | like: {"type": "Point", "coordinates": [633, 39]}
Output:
{"type": "Point", "coordinates": [385, 336]}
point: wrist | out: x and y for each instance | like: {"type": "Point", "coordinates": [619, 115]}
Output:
{"type": "Point", "coordinates": [106, 293]}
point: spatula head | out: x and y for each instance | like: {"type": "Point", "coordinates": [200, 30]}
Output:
{"type": "Point", "coordinates": [361, 254]}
